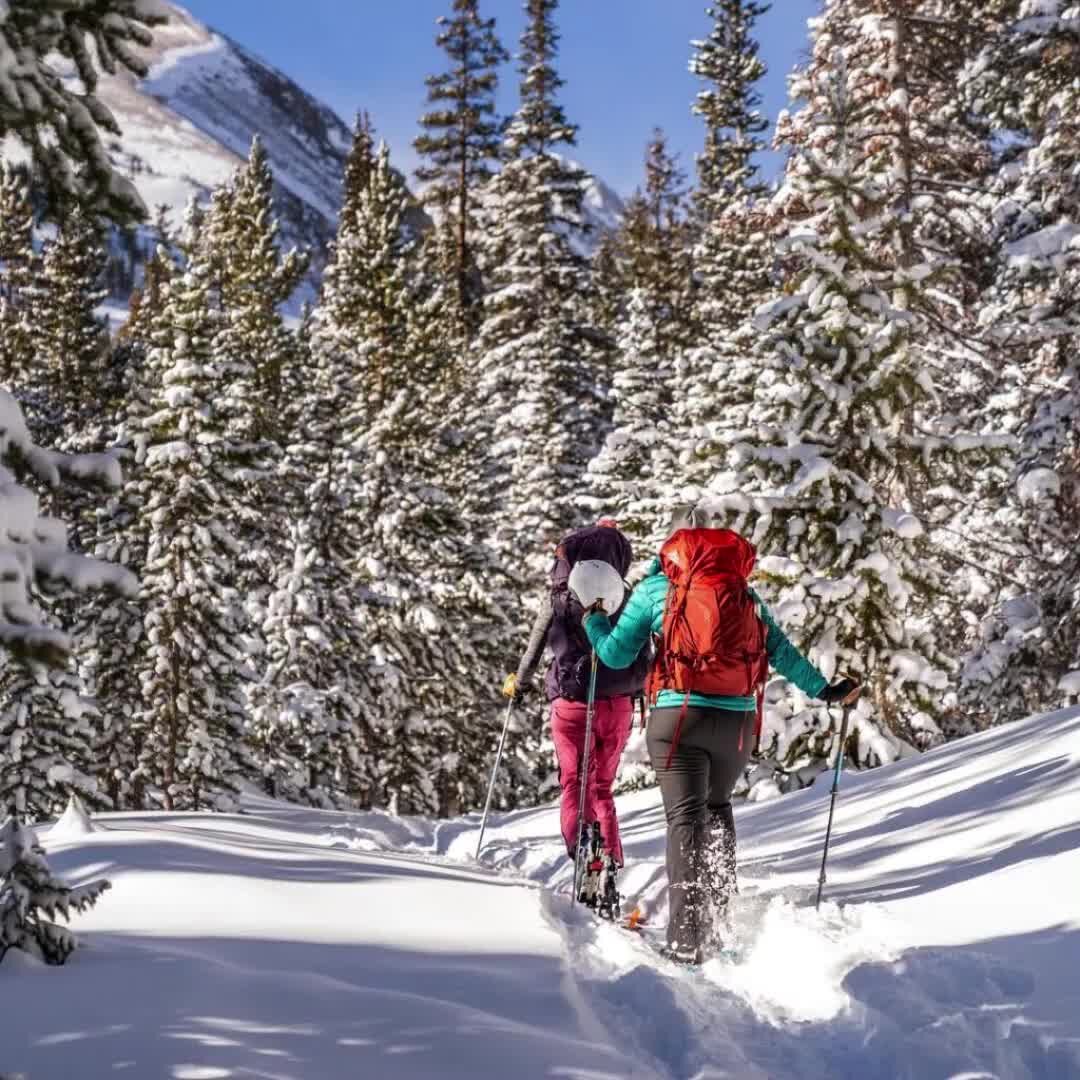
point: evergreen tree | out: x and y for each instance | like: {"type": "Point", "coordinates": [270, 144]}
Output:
{"type": "Point", "coordinates": [461, 136]}
{"type": "Point", "coordinates": [1023, 81]}
{"type": "Point", "coordinates": [146, 301]}
{"type": "Point", "coordinates": [632, 478]}
{"type": "Point", "coordinates": [46, 735]}
{"type": "Point", "coordinates": [111, 628]}
{"type": "Point", "coordinates": [845, 431]}
{"type": "Point", "coordinates": [360, 162]}
{"type": "Point", "coordinates": [542, 411]}
{"type": "Point", "coordinates": [254, 280]}
{"type": "Point", "coordinates": [73, 342]}
{"type": "Point", "coordinates": [655, 245]}
{"type": "Point", "coordinates": [308, 722]}
{"type": "Point", "coordinates": [203, 470]}
{"type": "Point", "coordinates": [18, 366]}
{"type": "Point", "coordinates": [430, 620]}
{"type": "Point", "coordinates": [387, 510]}
{"type": "Point", "coordinates": [31, 897]}
{"type": "Point", "coordinates": [362, 317]}
{"type": "Point", "coordinates": [733, 256]}
{"type": "Point", "coordinates": [42, 716]}
{"type": "Point", "coordinates": [622, 482]}
{"type": "Point", "coordinates": [728, 62]}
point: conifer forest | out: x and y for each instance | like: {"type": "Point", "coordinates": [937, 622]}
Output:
{"type": "Point", "coordinates": [249, 547]}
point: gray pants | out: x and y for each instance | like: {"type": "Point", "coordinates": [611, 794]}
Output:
{"type": "Point", "coordinates": [713, 749]}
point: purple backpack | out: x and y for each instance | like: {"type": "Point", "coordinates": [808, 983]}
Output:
{"type": "Point", "coordinates": [568, 674]}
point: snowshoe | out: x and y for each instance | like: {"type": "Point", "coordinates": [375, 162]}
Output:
{"type": "Point", "coordinates": [591, 860]}
{"type": "Point", "coordinates": [608, 899]}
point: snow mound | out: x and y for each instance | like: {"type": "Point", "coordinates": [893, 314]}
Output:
{"type": "Point", "coordinates": [73, 823]}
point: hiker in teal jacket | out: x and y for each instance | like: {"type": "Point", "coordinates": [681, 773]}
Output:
{"type": "Point", "coordinates": [699, 745]}
{"type": "Point", "coordinates": [618, 646]}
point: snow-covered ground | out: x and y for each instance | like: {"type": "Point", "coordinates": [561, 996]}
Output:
{"type": "Point", "coordinates": [291, 943]}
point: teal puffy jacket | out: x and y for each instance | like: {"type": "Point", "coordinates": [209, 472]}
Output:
{"type": "Point", "coordinates": [618, 646]}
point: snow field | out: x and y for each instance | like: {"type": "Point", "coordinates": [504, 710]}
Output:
{"type": "Point", "coordinates": [285, 942]}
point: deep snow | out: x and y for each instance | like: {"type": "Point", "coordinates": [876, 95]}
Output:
{"type": "Point", "coordinates": [293, 943]}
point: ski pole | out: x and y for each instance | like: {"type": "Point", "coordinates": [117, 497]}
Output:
{"type": "Point", "coordinates": [583, 783]}
{"type": "Point", "coordinates": [832, 801]}
{"type": "Point", "coordinates": [494, 773]}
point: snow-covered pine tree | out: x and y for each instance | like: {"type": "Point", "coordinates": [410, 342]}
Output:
{"type": "Point", "coordinates": [72, 341]}
{"type": "Point", "coordinates": [654, 242]}
{"type": "Point", "coordinates": [201, 463]}
{"type": "Point", "coordinates": [423, 626]}
{"type": "Point", "coordinates": [316, 590]}
{"type": "Point", "coordinates": [18, 368]}
{"type": "Point", "coordinates": [111, 628]}
{"type": "Point", "coordinates": [308, 725]}
{"type": "Point", "coordinates": [361, 329]}
{"type": "Point", "coordinates": [31, 897]}
{"type": "Point", "coordinates": [254, 279]}
{"type": "Point", "coordinates": [1023, 81]}
{"type": "Point", "coordinates": [146, 301]}
{"type": "Point", "coordinates": [622, 481]}
{"type": "Point", "coordinates": [360, 161]}
{"type": "Point", "coordinates": [432, 617]}
{"type": "Point", "coordinates": [728, 62]}
{"type": "Point", "coordinates": [42, 717]}
{"type": "Point", "coordinates": [47, 735]}
{"type": "Point", "coordinates": [461, 140]}
{"type": "Point", "coordinates": [362, 314]}
{"type": "Point", "coordinates": [846, 428]}
{"type": "Point", "coordinates": [540, 407]}
{"type": "Point", "coordinates": [632, 478]}
{"type": "Point", "coordinates": [59, 119]}
{"type": "Point", "coordinates": [733, 257]}
{"type": "Point", "coordinates": [731, 262]}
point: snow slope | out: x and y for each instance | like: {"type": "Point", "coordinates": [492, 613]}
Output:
{"type": "Point", "coordinates": [300, 944]}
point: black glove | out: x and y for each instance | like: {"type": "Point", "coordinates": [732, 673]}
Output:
{"type": "Point", "coordinates": [840, 690]}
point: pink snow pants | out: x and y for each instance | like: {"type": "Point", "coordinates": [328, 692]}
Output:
{"type": "Point", "coordinates": [612, 721]}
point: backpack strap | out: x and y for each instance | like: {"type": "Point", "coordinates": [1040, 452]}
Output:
{"type": "Point", "coordinates": [678, 729]}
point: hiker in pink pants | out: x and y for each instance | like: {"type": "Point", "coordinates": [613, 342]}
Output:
{"type": "Point", "coordinates": [558, 628]}
{"type": "Point", "coordinates": [612, 721]}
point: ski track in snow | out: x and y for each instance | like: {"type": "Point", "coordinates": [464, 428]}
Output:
{"type": "Point", "coordinates": [286, 942]}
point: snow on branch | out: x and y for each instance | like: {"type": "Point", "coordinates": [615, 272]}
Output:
{"type": "Point", "coordinates": [33, 548]}
{"type": "Point", "coordinates": [32, 897]}
{"type": "Point", "coordinates": [59, 125]}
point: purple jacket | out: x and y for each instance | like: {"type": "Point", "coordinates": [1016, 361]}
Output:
{"type": "Point", "coordinates": [558, 625]}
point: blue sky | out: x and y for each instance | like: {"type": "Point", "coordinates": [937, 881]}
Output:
{"type": "Point", "coordinates": [624, 62]}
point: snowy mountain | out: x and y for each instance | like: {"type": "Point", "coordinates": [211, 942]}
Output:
{"type": "Point", "coordinates": [190, 123]}
{"type": "Point", "coordinates": [603, 209]}
{"type": "Point", "coordinates": [304, 944]}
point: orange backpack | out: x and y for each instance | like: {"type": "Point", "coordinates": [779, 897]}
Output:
{"type": "Point", "coordinates": [713, 639]}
